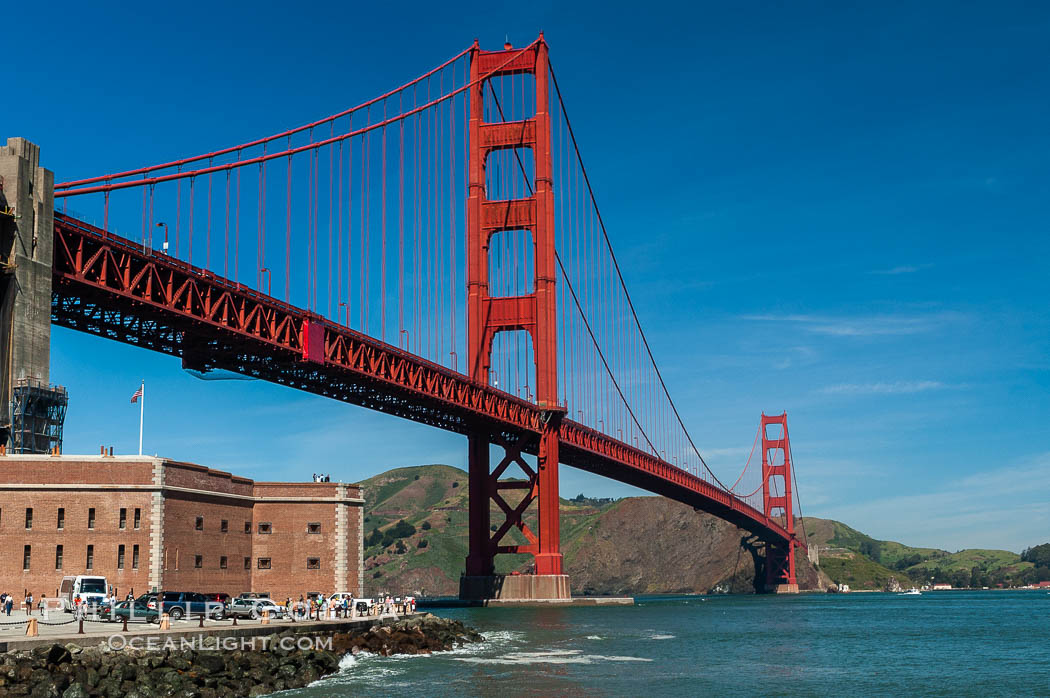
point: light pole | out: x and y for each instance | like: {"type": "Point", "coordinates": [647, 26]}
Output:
{"type": "Point", "coordinates": [165, 225]}
{"type": "Point", "coordinates": [347, 309]}
{"type": "Point", "coordinates": [269, 279]}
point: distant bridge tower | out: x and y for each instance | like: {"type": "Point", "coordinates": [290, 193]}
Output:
{"type": "Point", "coordinates": [777, 501]}
{"type": "Point", "coordinates": [31, 410]}
{"type": "Point", "coordinates": [534, 313]}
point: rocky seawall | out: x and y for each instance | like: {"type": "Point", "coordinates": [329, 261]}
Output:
{"type": "Point", "coordinates": [271, 663]}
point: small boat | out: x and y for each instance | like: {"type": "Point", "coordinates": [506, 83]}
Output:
{"type": "Point", "coordinates": [911, 592]}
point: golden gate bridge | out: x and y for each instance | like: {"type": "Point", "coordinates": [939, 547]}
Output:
{"type": "Point", "coordinates": [436, 253]}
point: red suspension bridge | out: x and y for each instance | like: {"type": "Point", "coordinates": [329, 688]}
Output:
{"type": "Point", "coordinates": [436, 253]}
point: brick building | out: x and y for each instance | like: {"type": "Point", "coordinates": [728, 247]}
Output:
{"type": "Point", "coordinates": [149, 523]}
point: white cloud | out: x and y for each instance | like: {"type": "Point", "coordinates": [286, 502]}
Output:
{"type": "Point", "coordinates": [896, 271]}
{"type": "Point", "coordinates": [862, 326]}
{"type": "Point", "coordinates": [1001, 508]}
{"type": "Point", "coordinates": [895, 388]}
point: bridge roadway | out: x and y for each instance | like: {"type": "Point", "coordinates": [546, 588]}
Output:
{"type": "Point", "coordinates": [107, 285]}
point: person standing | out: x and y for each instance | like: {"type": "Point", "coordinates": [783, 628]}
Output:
{"type": "Point", "coordinates": [29, 603]}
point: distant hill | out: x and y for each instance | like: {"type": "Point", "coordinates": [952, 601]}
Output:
{"type": "Point", "coordinates": [849, 556]}
{"type": "Point", "coordinates": [416, 540]}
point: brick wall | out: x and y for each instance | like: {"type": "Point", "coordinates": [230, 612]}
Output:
{"type": "Point", "coordinates": [170, 497]}
{"type": "Point", "coordinates": [75, 485]}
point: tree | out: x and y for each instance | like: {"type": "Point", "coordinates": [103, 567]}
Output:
{"type": "Point", "coordinates": [400, 548]}
{"type": "Point", "coordinates": [422, 543]}
{"type": "Point", "coordinates": [1038, 556]}
{"type": "Point", "coordinates": [425, 526]}
{"type": "Point", "coordinates": [871, 548]}
{"type": "Point", "coordinates": [374, 538]}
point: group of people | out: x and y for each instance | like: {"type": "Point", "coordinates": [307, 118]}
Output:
{"type": "Point", "coordinates": [342, 605]}
{"type": "Point", "coordinates": [318, 477]}
{"type": "Point", "coordinates": [7, 602]}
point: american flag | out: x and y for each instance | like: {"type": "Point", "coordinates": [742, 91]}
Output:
{"type": "Point", "coordinates": [136, 396]}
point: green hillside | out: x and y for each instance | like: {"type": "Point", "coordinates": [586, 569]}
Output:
{"type": "Point", "coordinates": [416, 539]}
{"type": "Point", "coordinates": [430, 547]}
{"type": "Point", "coordinates": [971, 567]}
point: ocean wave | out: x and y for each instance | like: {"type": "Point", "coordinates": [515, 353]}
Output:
{"type": "Point", "coordinates": [661, 637]}
{"type": "Point", "coordinates": [595, 637]}
{"type": "Point", "coordinates": [550, 657]}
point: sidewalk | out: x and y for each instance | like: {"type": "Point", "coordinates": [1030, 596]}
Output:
{"type": "Point", "coordinates": [62, 628]}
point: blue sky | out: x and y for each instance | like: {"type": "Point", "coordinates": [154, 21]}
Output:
{"type": "Point", "coordinates": [838, 211]}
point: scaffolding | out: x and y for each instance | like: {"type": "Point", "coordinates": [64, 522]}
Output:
{"type": "Point", "coordinates": [38, 411]}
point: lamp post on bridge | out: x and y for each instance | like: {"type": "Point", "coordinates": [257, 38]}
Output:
{"type": "Point", "coordinates": [165, 226]}
{"type": "Point", "coordinates": [346, 308]}
{"type": "Point", "coordinates": [264, 272]}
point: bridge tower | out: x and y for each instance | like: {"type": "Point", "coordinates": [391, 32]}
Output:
{"type": "Point", "coordinates": [777, 501]}
{"type": "Point", "coordinates": [31, 410]}
{"type": "Point", "coordinates": [534, 313]}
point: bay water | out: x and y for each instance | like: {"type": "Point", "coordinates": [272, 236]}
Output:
{"type": "Point", "coordinates": [945, 643]}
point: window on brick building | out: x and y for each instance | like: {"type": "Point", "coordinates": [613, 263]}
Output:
{"type": "Point", "coordinates": [58, 557]}
{"type": "Point", "coordinates": [264, 562]}
{"type": "Point", "coordinates": [313, 528]}
{"type": "Point", "coordinates": [138, 517]}
{"type": "Point", "coordinates": [90, 557]}
{"type": "Point", "coordinates": [313, 563]}
{"type": "Point", "coordinates": [61, 518]}
{"type": "Point", "coordinates": [134, 557]}
{"type": "Point", "coordinates": [200, 523]}
{"type": "Point", "coordinates": [247, 526]}
{"type": "Point", "coordinates": [247, 563]}
{"type": "Point", "coordinates": [91, 517]}
{"type": "Point", "coordinates": [123, 518]}
{"type": "Point", "coordinates": [224, 526]}
{"type": "Point", "coordinates": [29, 518]}
{"type": "Point", "coordinates": [265, 527]}
{"type": "Point", "coordinates": [27, 553]}
{"type": "Point", "coordinates": [198, 561]}
{"type": "Point", "coordinates": [120, 557]}
{"type": "Point", "coordinates": [222, 562]}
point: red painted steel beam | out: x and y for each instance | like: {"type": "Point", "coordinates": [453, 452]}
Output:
{"type": "Point", "coordinates": [106, 285]}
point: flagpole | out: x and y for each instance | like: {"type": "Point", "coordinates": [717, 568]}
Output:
{"type": "Point", "coordinates": [142, 411]}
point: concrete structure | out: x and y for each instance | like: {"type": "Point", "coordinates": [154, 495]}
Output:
{"type": "Point", "coordinates": [515, 588]}
{"type": "Point", "coordinates": [26, 246]}
{"type": "Point", "coordinates": [149, 523]}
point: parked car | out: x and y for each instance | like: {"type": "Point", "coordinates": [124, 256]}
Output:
{"type": "Point", "coordinates": [253, 608]}
{"type": "Point", "coordinates": [222, 598]}
{"type": "Point", "coordinates": [179, 604]}
{"type": "Point", "coordinates": [132, 610]}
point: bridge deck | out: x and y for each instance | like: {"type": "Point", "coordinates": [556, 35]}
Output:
{"type": "Point", "coordinates": [107, 285]}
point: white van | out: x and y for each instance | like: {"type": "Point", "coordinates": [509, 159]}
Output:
{"type": "Point", "coordinates": [92, 590]}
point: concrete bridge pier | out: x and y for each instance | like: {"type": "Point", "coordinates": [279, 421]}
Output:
{"type": "Point", "coordinates": [31, 410]}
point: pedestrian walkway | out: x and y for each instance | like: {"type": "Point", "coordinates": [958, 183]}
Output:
{"type": "Point", "coordinates": [67, 630]}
